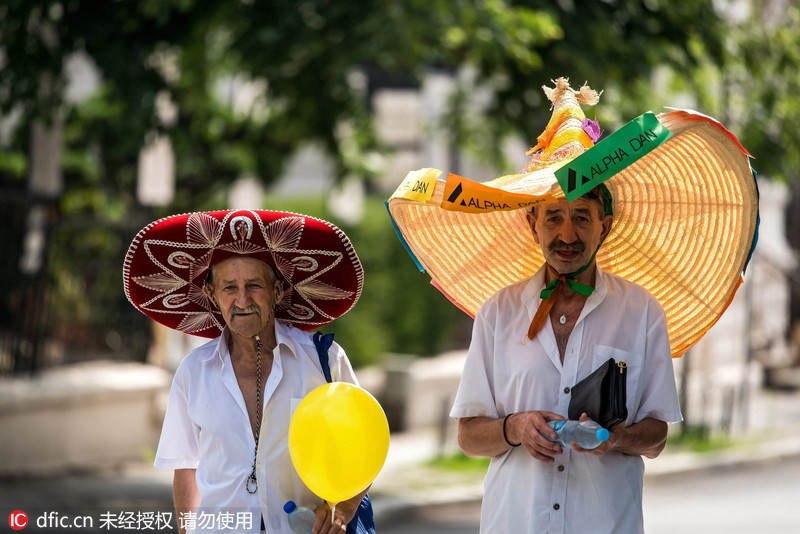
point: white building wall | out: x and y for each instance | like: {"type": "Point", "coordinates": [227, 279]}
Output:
{"type": "Point", "coordinates": [729, 362]}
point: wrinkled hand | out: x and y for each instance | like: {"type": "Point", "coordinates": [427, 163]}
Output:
{"type": "Point", "coordinates": [527, 428]}
{"type": "Point", "coordinates": [344, 513]}
{"type": "Point", "coordinates": [604, 447]}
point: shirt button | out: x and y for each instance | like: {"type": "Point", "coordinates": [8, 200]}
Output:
{"type": "Point", "coordinates": [561, 468]}
{"type": "Point", "coordinates": [566, 390]}
{"type": "Point", "coordinates": [556, 506]}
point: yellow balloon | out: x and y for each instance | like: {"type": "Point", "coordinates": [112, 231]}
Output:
{"type": "Point", "coordinates": [338, 440]}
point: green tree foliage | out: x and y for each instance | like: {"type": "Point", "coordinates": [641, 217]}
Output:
{"type": "Point", "coordinates": [615, 45]}
{"type": "Point", "coordinates": [760, 81]}
{"type": "Point", "coordinates": [302, 58]}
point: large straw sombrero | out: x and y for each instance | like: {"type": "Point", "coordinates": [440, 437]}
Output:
{"type": "Point", "coordinates": [168, 261]}
{"type": "Point", "coordinates": [685, 207]}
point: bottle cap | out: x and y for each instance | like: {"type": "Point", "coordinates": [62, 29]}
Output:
{"type": "Point", "coordinates": [289, 507]}
{"type": "Point", "coordinates": [602, 434]}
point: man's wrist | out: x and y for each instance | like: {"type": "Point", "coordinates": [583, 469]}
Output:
{"type": "Point", "coordinates": [505, 430]}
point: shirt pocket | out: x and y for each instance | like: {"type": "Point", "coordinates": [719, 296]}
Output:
{"type": "Point", "coordinates": [633, 371]}
{"type": "Point", "coordinates": [293, 403]}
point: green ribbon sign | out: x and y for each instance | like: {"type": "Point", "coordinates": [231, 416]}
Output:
{"type": "Point", "coordinates": [611, 155]}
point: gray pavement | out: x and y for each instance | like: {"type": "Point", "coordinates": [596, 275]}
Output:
{"type": "Point", "coordinates": [407, 482]}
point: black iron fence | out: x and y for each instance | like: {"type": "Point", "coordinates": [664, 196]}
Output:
{"type": "Point", "coordinates": [61, 297]}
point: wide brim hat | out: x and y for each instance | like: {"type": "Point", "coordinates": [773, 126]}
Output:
{"type": "Point", "coordinates": [685, 213]}
{"type": "Point", "coordinates": [168, 262]}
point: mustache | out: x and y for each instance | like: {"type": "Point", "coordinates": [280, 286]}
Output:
{"type": "Point", "coordinates": [235, 310]}
{"type": "Point", "coordinates": [557, 245]}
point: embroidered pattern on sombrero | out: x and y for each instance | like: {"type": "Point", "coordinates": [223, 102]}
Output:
{"type": "Point", "coordinates": [169, 260]}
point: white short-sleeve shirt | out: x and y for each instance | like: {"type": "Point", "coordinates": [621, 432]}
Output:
{"type": "Point", "coordinates": [505, 372]}
{"type": "Point", "coordinates": [207, 428]}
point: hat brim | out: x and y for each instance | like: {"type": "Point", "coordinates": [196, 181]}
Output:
{"type": "Point", "coordinates": [168, 262]}
{"type": "Point", "coordinates": [685, 223]}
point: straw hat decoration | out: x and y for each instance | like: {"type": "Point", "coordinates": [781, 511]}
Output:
{"type": "Point", "coordinates": [682, 192]}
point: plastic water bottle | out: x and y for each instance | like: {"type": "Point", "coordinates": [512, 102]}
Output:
{"type": "Point", "coordinates": [301, 519]}
{"type": "Point", "coordinates": [587, 434]}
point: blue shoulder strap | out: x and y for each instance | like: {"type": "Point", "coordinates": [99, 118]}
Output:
{"type": "Point", "coordinates": [323, 343]}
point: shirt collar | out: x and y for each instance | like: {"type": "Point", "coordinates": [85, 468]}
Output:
{"type": "Point", "coordinates": [531, 298]}
{"type": "Point", "coordinates": [221, 350]}
{"type": "Point", "coordinates": [600, 288]}
{"type": "Point", "coordinates": [283, 336]}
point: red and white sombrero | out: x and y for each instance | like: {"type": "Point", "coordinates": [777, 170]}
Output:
{"type": "Point", "coordinates": [168, 261]}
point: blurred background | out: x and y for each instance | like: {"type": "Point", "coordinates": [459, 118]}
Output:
{"type": "Point", "coordinates": [116, 113]}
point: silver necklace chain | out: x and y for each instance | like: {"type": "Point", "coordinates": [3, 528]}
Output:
{"type": "Point", "coordinates": [252, 482]}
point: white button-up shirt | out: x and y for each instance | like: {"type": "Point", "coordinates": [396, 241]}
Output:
{"type": "Point", "coordinates": [505, 372]}
{"type": "Point", "coordinates": [207, 428]}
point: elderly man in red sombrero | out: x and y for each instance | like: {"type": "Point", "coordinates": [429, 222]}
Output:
{"type": "Point", "coordinates": [585, 273]}
{"type": "Point", "coordinates": [254, 281]}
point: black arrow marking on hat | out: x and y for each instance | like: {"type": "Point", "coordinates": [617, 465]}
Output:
{"type": "Point", "coordinates": [572, 179]}
{"type": "Point", "coordinates": [454, 195]}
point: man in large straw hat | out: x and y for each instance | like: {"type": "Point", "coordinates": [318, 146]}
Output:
{"type": "Point", "coordinates": [566, 265]}
{"type": "Point", "coordinates": [254, 281]}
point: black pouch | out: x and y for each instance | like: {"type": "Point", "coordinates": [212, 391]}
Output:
{"type": "Point", "coordinates": [602, 395]}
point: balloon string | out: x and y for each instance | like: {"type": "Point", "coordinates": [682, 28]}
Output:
{"type": "Point", "coordinates": [333, 512]}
